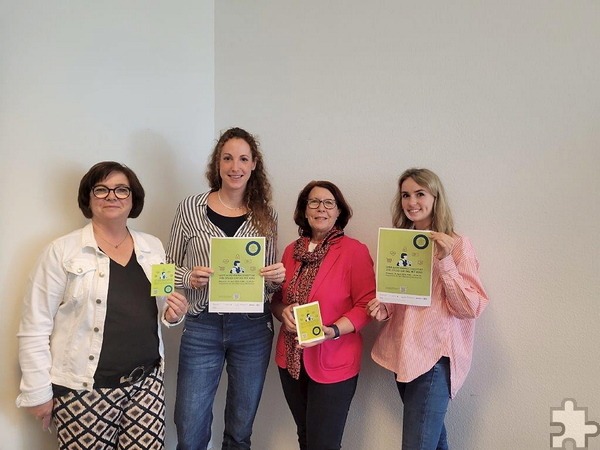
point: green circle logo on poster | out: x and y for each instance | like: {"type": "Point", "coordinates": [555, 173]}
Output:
{"type": "Point", "coordinates": [253, 248]}
{"type": "Point", "coordinates": [168, 289]}
{"type": "Point", "coordinates": [421, 241]}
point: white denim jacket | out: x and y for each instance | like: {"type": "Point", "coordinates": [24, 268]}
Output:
{"type": "Point", "coordinates": [60, 336]}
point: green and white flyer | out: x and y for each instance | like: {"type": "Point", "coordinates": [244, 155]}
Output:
{"type": "Point", "coordinates": [236, 285]}
{"type": "Point", "coordinates": [309, 325]}
{"type": "Point", "coordinates": [163, 280]}
{"type": "Point", "coordinates": [404, 266]}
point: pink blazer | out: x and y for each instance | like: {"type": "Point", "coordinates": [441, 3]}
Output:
{"type": "Point", "coordinates": [343, 286]}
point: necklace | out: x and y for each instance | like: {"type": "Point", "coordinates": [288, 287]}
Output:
{"type": "Point", "coordinates": [114, 245]}
{"type": "Point", "coordinates": [227, 206]}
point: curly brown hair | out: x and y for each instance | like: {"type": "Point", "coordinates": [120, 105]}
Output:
{"type": "Point", "coordinates": [257, 196]}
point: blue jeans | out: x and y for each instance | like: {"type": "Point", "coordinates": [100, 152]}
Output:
{"type": "Point", "coordinates": [209, 340]}
{"type": "Point", "coordinates": [426, 401]}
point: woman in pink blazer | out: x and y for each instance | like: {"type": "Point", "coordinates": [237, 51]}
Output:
{"type": "Point", "coordinates": [324, 265]}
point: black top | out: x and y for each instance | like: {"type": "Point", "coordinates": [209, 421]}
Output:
{"type": "Point", "coordinates": [229, 225]}
{"type": "Point", "coordinates": [130, 335]}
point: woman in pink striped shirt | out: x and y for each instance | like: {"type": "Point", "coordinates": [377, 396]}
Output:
{"type": "Point", "coordinates": [429, 349]}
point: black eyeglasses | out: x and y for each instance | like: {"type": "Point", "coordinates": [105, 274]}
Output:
{"type": "Point", "coordinates": [328, 203]}
{"type": "Point", "coordinates": [102, 192]}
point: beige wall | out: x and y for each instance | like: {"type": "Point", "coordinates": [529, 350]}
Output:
{"type": "Point", "coordinates": [501, 100]}
{"type": "Point", "coordinates": [82, 82]}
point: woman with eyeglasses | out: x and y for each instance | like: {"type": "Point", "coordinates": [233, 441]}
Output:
{"type": "Point", "coordinates": [238, 204]}
{"type": "Point", "coordinates": [90, 345]}
{"type": "Point", "coordinates": [323, 265]}
{"type": "Point", "coordinates": [429, 349]}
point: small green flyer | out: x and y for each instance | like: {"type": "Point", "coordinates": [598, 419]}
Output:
{"type": "Point", "coordinates": [309, 325]}
{"type": "Point", "coordinates": [163, 279]}
{"type": "Point", "coordinates": [236, 285]}
{"type": "Point", "coordinates": [404, 266]}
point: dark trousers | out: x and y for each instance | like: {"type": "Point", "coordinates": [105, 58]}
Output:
{"type": "Point", "coordinates": [319, 410]}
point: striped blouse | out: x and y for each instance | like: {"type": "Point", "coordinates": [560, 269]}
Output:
{"type": "Point", "coordinates": [416, 337]}
{"type": "Point", "coordinates": [189, 246]}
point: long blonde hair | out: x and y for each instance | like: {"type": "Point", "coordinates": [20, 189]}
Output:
{"type": "Point", "coordinates": [441, 219]}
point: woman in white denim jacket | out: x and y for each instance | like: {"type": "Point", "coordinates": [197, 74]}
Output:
{"type": "Point", "coordinates": [90, 345]}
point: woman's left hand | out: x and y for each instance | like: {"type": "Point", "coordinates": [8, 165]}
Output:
{"type": "Point", "coordinates": [329, 334]}
{"type": "Point", "coordinates": [443, 244]}
{"type": "Point", "coordinates": [177, 306]}
{"type": "Point", "coordinates": [311, 344]}
{"type": "Point", "coordinates": [274, 273]}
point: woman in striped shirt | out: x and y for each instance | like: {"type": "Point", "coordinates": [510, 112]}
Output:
{"type": "Point", "coordinates": [429, 349]}
{"type": "Point", "coordinates": [237, 205]}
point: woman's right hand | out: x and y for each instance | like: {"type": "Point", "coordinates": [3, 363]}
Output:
{"type": "Point", "coordinates": [287, 318]}
{"type": "Point", "coordinates": [42, 412]}
{"type": "Point", "coordinates": [377, 310]}
{"type": "Point", "coordinates": [200, 276]}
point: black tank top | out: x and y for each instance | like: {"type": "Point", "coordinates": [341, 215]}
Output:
{"type": "Point", "coordinates": [229, 225]}
{"type": "Point", "coordinates": [130, 335]}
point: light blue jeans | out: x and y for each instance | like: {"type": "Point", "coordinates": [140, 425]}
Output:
{"type": "Point", "coordinates": [243, 343]}
{"type": "Point", "coordinates": [426, 401]}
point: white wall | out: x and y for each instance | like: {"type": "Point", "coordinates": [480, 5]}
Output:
{"type": "Point", "coordinates": [82, 82]}
{"type": "Point", "coordinates": [502, 100]}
